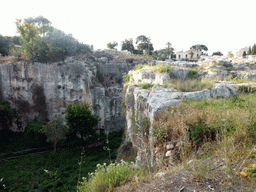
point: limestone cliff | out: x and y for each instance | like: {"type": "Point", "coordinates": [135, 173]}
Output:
{"type": "Point", "coordinates": [143, 105]}
{"type": "Point", "coordinates": [42, 90]}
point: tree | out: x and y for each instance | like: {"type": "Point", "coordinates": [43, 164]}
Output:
{"type": "Point", "coordinates": [43, 24]}
{"type": "Point", "coordinates": [253, 50]}
{"type": "Point", "coordinates": [4, 46]}
{"type": "Point", "coordinates": [169, 48]}
{"type": "Point", "coordinates": [55, 131]}
{"type": "Point", "coordinates": [40, 41]}
{"type": "Point", "coordinates": [217, 53]}
{"type": "Point", "coordinates": [244, 54]}
{"type": "Point", "coordinates": [128, 45]}
{"type": "Point", "coordinates": [112, 45]}
{"type": "Point", "coordinates": [199, 46]}
{"type": "Point", "coordinates": [144, 43]}
{"type": "Point", "coordinates": [6, 113]}
{"type": "Point", "coordinates": [249, 51]}
{"type": "Point", "coordinates": [80, 119]}
{"type": "Point", "coordinates": [230, 54]}
{"type": "Point", "coordinates": [191, 53]}
{"type": "Point", "coordinates": [29, 37]}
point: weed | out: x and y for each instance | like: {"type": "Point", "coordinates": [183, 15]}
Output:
{"type": "Point", "coordinates": [198, 132]}
{"type": "Point", "coordinates": [126, 77]}
{"type": "Point", "coordinates": [229, 69]}
{"type": "Point", "coordinates": [140, 98]}
{"type": "Point", "coordinates": [138, 67]}
{"type": "Point", "coordinates": [145, 86]}
{"type": "Point", "coordinates": [107, 177]}
{"type": "Point", "coordinates": [192, 73]}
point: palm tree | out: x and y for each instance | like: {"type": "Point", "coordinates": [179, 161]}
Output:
{"type": "Point", "coordinates": [191, 53]}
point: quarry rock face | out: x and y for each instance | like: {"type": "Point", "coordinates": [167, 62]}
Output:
{"type": "Point", "coordinates": [42, 90]}
{"type": "Point", "coordinates": [147, 104]}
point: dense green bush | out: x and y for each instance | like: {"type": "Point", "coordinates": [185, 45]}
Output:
{"type": "Point", "coordinates": [126, 77]}
{"type": "Point", "coordinates": [80, 119]}
{"type": "Point", "coordinates": [32, 133]}
{"type": "Point", "coordinates": [42, 42]}
{"type": "Point", "coordinates": [145, 86]}
{"type": "Point", "coordinates": [6, 114]}
{"type": "Point", "coordinates": [4, 46]}
{"type": "Point", "coordinates": [192, 73]}
{"type": "Point", "coordinates": [199, 132]}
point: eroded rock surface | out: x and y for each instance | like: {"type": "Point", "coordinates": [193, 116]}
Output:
{"type": "Point", "coordinates": [149, 103]}
{"type": "Point", "coordinates": [42, 90]}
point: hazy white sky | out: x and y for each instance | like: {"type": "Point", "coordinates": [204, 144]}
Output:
{"type": "Point", "coordinates": [221, 25]}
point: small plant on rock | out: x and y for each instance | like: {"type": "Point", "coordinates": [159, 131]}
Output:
{"type": "Point", "coordinates": [145, 86]}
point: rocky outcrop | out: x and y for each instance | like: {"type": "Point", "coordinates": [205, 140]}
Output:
{"type": "Point", "coordinates": [42, 90]}
{"type": "Point", "coordinates": [143, 106]}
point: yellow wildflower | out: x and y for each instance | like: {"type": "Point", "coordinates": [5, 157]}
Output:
{"type": "Point", "coordinates": [243, 174]}
{"type": "Point", "coordinates": [253, 165]}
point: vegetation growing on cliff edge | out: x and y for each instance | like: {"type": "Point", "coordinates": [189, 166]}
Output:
{"type": "Point", "coordinates": [42, 42]}
{"type": "Point", "coordinates": [219, 129]}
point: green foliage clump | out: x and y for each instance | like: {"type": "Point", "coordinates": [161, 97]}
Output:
{"type": "Point", "coordinates": [112, 45]}
{"type": "Point", "coordinates": [4, 46]}
{"type": "Point", "coordinates": [199, 132]}
{"type": "Point", "coordinates": [138, 67]}
{"type": "Point", "coordinates": [163, 68]}
{"type": "Point", "coordinates": [229, 69]}
{"type": "Point", "coordinates": [80, 119]}
{"type": "Point", "coordinates": [55, 131]}
{"type": "Point", "coordinates": [145, 86]}
{"type": "Point", "coordinates": [6, 112]}
{"type": "Point", "coordinates": [192, 73]}
{"type": "Point", "coordinates": [128, 45]}
{"type": "Point", "coordinates": [106, 177]}
{"type": "Point", "coordinates": [126, 77]}
{"type": "Point", "coordinates": [32, 131]}
{"type": "Point", "coordinates": [41, 42]}
{"type": "Point", "coordinates": [158, 131]}
{"type": "Point", "coordinates": [246, 89]}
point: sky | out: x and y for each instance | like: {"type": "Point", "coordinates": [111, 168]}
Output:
{"type": "Point", "coordinates": [221, 25]}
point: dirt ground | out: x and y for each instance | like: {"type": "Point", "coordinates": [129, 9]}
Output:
{"type": "Point", "coordinates": [183, 181]}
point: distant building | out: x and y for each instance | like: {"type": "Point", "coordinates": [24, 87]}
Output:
{"type": "Point", "coordinates": [240, 52]}
{"type": "Point", "coordinates": [186, 54]}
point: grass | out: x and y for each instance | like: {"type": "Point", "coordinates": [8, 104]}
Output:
{"type": "Point", "coordinates": [9, 59]}
{"type": "Point", "coordinates": [106, 178]}
{"type": "Point", "coordinates": [192, 84]}
{"type": "Point", "coordinates": [233, 145]}
{"type": "Point", "coordinates": [56, 172]}
{"type": "Point", "coordinates": [239, 79]}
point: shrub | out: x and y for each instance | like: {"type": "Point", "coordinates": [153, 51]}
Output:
{"type": "Point", "coordinates": [105, 178]}
{"type": "Point", "coordinates": [126, 77]}
{"type": "Point", "coordinates": [32, 131]}
{"type": "Point", "coordinates": [139, 66]}
{"type": "Point", "coordinates": [145, 86]}
{"type": "Point", "coordinates": [246, 89]}
{"type": "Point", "coordinates": [163, 68]}
{"type": "Point", "coordinates": [4, 46]}
{"type": "Point", "coordinates": [198, 132]}
{"type": "Point", "coordinates": [229, 69]}
{"type": "Point", "coordinates": [158, 131]}
{"type": "Point", "coordinates": [6, 114]}
{"type": "Point", "coordinates": [54, 131]}
{"type": "Point", "coordinates": [80, 119]}
{"type": "Point", "coordinates": [192, 73]}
